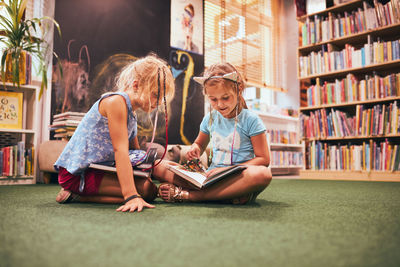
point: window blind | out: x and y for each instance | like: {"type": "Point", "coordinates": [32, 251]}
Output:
{"type": "Point", "coordinates": [244, 33]}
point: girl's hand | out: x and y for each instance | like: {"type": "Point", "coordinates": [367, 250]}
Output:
{"type": "Point", "coordinates": [193, 153]}
{"type": "Point", "coordinates": [215, 171]}
{"type": "Point", "coordinates": [135, 204]}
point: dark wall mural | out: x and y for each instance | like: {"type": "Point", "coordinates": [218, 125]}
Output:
{"type": "Point", "coordinates": [187, 107]}
{"type": "Point", "coordinates": [99, 37]}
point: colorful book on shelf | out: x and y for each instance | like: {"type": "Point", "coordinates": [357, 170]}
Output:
{"type": "Point", "coordinates": [21, 158]}
{"type": "Point", "coordinates": [197, 176]}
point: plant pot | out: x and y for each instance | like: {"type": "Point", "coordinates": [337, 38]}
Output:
{"type": "Point", "coordinates": [24, 66]}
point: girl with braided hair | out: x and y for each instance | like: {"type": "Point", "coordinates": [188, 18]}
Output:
{"type": "Point", "coordinates": [107, 132]}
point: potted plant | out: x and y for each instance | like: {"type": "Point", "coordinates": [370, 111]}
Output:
{"type": "Point", "coordinates": [20, 36]}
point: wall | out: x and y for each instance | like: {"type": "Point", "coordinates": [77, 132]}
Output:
{"type": "Point", "coordinates": [115, 33]}
{"type": "Point", "coordinates": [289, 44]}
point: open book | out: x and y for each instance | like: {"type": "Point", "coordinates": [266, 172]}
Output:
{"type": "Point", "coordinates": [198, 177]}
{"type": "Point", "coordinates": [139, 159]}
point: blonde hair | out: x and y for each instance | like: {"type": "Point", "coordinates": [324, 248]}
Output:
{"type": "Point", "coordinates": [220, 69]}
{"type": "Point", "coordinates": [147, 70]}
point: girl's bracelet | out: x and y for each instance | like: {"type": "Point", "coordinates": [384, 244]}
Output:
{"type": "Point", "coordinates": [132, 197]}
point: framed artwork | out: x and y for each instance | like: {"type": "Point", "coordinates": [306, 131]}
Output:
{"type": "Point", "coordinates": [11, 110]}
{"type": "Point", "coordinates": [187, 25]}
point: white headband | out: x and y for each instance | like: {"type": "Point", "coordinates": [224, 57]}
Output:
{"type": "Point", "coordinates": [232, 76]}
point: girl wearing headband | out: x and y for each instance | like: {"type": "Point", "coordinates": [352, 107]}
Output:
{"type": "Point", "coordinates": [106, 133]}
{"type": "Point", "coordinates": [236, 136]}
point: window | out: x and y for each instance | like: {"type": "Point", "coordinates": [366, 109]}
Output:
{"type": "Point", "coordinates": [244, 33]}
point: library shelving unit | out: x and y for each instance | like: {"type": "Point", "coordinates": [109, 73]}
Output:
{"type": "Point", "coordinates": [284, 143]}
{"type": "Point", "coordinates": [28, 133]}
{"type": "Point", "coordinates": [349, 74]}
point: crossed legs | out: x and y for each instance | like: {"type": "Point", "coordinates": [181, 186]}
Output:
{"type": "Point", "coordinates": [252, 180]}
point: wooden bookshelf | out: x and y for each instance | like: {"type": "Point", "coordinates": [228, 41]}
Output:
{"type": "Point", "coordinates": [351, 175]}
{"type": "Point", "coordinates": [378, 100]}
{"type": "Point", "coordinates": [353, 137]}
{"type": "Point", "coordinates": [387, 66]}
{"type": "Point", "coordinates": [336, 8]}
{"type": "Point", "coordinates": [357, 38]}
{"type": "Point", "coordinates": [338, 156]}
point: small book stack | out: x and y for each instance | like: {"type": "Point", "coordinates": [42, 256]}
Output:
{"type": "Point", "coordinates": [65, 124]}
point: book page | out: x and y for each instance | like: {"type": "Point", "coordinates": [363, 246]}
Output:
{"type": "Point", "coordinates": [200, 178]}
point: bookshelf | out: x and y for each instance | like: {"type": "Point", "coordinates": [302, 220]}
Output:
{"type": "Point", "coordinates": [284, 143]}
{"type": "Point", "coordinates": [349, 75]}
{"type": "Point", "coordinates": [24, 169]}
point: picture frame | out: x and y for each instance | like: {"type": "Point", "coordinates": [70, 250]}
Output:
{"type": "Point", "coordinates": [187, 25]}
{"type": "Point", "coordinates": [11, 110]}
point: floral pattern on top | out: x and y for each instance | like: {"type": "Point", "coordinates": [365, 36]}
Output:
{"type": "Point", "coordinates": [91, 141]}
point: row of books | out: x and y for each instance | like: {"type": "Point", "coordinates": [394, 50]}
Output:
{"type": "Point", "coordinates": [65, 124]}
{"type": "Point", "coordinates": [378, 156]}
{"type": "Point", "coordinates": [322, 124]}
{"type": "Point", "coordinates": [286, 158]}
{"type": "Point", "coordinates": [351, 89]}
{"type": "Point", "coordinates": [378, 120]}
{"type": "Point", "coordinates": [17, 160]}
{"type": "Point", "coordinates": [331, 58]}
{"type": "Point", "coordinates": [324, 28]}
{"type": "Point", "coordinates": [375, 121]}
{"type": "Point", "coordinates": [281, 137]}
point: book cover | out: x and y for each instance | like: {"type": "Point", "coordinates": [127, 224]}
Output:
{"type": "Point", "coordinates": [105, 166]}
{"type": "Point", "coordinates": [141, 161]}
{"type": "Point", "coordinates": [21, 158]}
{"type": "Point", "coordinates": [198, 177]}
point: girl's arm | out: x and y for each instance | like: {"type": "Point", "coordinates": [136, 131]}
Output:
{"type": "Point", "coordinates": [261, 150]}
{"type": "Point", "coordinates": [134, 143]}
{"type": "Point", "coordinates": [198, 146]}
{"type": "Point", "coordinates": [114, 108]}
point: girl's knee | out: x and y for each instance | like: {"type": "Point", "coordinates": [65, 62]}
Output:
{"type": "Point", "coordinates": [261, 175]}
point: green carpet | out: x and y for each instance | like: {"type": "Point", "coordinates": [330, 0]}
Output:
{"type": "Point", "coordinates": [293, 223]}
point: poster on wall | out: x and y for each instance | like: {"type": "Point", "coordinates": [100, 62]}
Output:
{"type": "Point", "coordinates": [11, 110]}
{"type": "Point", "coordinates": [187, 25]}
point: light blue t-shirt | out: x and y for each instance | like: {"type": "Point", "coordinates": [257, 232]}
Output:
{"type": "Point", "coordinates": [249, 124]}
{"type": "Point", "coordinates": [91, 141]}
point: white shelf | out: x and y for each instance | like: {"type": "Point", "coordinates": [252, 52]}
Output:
{"type": "Point", "coordinates": [277, 122]}
{"type": "Point", "coordinates": [278, 145]}
{"type": "Point", "coordinates": [275, 116]}
{"type": "Point", "coordinates": [29, 132]}
{"type": "Point", "coordinates": [22, 87]}
{"type": "Point", "coordinates": [24, 131]}
{"type": "Point", "coordinates": [16, 180]}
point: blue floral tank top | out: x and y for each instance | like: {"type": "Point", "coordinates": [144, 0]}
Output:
{"type": "Point", "coordinates": [91, 141]}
